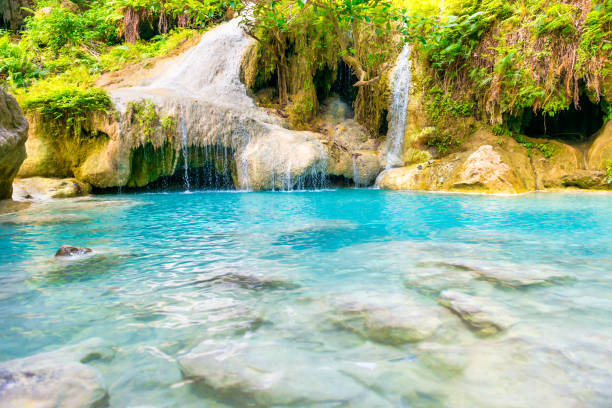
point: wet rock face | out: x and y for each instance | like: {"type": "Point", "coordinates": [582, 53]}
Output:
{"type": "Point", "coordinates": [600, 153]}
{"type": "Point", "coordinates": [40, 188]}
{"type": "Point", "coordinates": [69, 251]}
{"type": "Point", "coordinates": [53, 379]}
{"type": "Point", "coordinates": [13, 134]}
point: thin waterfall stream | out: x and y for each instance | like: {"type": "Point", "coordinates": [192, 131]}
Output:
{"type": "Point", "coordinates": [401, 97]}
{"type": "Point", "coordinates": [185, 153]}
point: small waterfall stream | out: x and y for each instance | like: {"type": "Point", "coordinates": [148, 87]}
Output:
{"type": "Point", "coordinates": [397, 113]}
{"type": "Point", "coordinates": [355, 171]}
{"type": "Point", "coordinates": [185, 153]}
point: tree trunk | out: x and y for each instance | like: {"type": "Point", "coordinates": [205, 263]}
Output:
{"type": "Point", "coordinates": [131, 23]}
{"type": "Point", "coordinates": [12, 13]}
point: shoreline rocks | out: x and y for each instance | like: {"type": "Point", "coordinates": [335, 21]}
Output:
{"type": "Point", "coordinates": [42, 189]}
{"type": "Point", "coordinates": [13, 135]}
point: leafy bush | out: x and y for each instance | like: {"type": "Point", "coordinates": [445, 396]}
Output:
{"type": "Point", "coordinates": [16, 66]}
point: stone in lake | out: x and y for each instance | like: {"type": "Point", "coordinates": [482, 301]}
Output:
{"type": "Point", "coordinates": [261, 373]}
{"type": "Point", "coordinates": [518, 277]}
{"type": "Point", "coordinates": [250, 282]}
{"type": "Point", "coordinates": [478, 313]}
{"type": "Point", "coordinates": [69, 251]}
{"type": "Point", "coordinates": [391, 319]}
{"type": "Point", "coordinates": [57, 379]}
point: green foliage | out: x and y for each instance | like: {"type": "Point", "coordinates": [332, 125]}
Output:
{"type": "Point", "coordinates": [442, 143]}
{"type": "Point", "coordinates": [557, 18]}
{"type": "Point", "coordinates": [546, 149]}
{"type": "Point", "coordinates": [121, 55]}
{"type": "Point", "coordinates": [143, 112]}
{"type": "Point", "coordinates": [609, 171]}
{"type": "Point", "coordinates": [168, 124]}
{"type": "Point", "coordinates": [60, 28]}
{"type": "Point", "coordinates": [510, 56]}
{"type": "Point", "coordinates": [16, 65]}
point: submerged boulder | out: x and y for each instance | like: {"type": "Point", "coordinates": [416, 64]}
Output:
{"type": "Point", "coordinates": [483, 316]}
{"type": "Point", "coordinates": [40, 188]}
{"type": "Point", "coordinates": [387, 319]}
{"type": "Point", "coordinates": [13, 134]}
{"type": "Point", "coordinates": [54, 379]}
{"type": "Point", "coordinates": [260, 373]}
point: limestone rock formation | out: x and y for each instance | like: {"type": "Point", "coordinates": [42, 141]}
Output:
{"type": "Point", "coordinates": [13, 134]}
{"type": "Point", "coordinates": [599, 155]}
{"type": "Point", "coordinates": [483, 166]}
{"type": "Point", "coordinates": [40, 188]}
{"type": "Point", "coordinates": [53, 379]}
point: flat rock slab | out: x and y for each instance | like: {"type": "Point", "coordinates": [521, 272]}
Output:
{"type": "Point", "coordinates": [513, 276]}
{"type": "Point", "coordinates": [261, 373]}
{"type": "Point", "coordinates": [391, 319]}
{"type": "Point", "coordinates": [56, 379]}
{"type": "Point", "coordinates": [480, 314]}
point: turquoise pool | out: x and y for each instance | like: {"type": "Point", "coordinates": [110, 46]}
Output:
{"type": "Point", "coordinates": [330, 298]}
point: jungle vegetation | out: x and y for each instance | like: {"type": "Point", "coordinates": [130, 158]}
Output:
{"type": "Point", "coordinates": [496, 62]}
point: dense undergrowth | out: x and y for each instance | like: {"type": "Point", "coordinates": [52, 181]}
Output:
{"type": "Point", "coordinates": [482, 62]}
{"type": "Point", "coordinates": [52, 63]}
{"type": "Point", "coordinates": [502, 62]}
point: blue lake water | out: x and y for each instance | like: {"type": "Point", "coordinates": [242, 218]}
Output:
{"type": "Point", "coordinates": [264, 280]}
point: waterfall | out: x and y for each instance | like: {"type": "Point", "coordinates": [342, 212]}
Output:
{"type": "Point", "coordinates": [355, 171]}
{"type": "Point", "coordinates": [401, 95]}
{"type": "Point", "coordinates": [185, 155]}
{"type": "Point", "coordinates": [237, 137]}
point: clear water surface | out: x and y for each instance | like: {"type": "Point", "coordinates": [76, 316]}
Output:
{"type": "Point", "coordinates": [271, 271]}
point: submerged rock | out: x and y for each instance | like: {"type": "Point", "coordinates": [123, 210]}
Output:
{"type": "Point", "coordinates": [387, 319]}
{"type": "Point", "coordinates": [250, 282]}
{"type": "Point", "coordinates": [45, 219]}
{"type": "Point", "coordinates": [54, 379]}
{"type": "Point", "coordinates": [484, 317]}
{"type": "Point", "coordinates": [13, 134]}
{"type": "Point", "coordinates": [513, 276]}
{"type": "Point", "coordinates": [270, 374]}
{"type": "Point", "coordinates": [69, 251]}
{"type": "Point", "coordinates": [40, 188]}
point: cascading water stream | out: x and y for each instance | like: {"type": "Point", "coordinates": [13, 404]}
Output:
{"type": "Point", "coordinates": [185, 153]}
{"type": "Point", "coordinates": [399, 105]}
{"type": "Point", "coordinates": [355, 171]}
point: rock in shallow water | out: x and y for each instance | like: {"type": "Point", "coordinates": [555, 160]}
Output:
{"type": "Point", "coordinates": [70, 251]}
{"type": "Point", "coordinates": [485, 317]}
{"type": "Point", "coordinates": [56, 379]}
{"type": "Point", "coordinates": [387, 319]}
{"type": "Point", "coordinates": [258, 373]}
{"type": "Point", "coordinates": [41, 189]}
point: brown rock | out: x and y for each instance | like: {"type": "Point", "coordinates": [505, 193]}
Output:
{"type": "Point", "coordinates": [13, 134]}
{"type": "Point", "coordinates": [69, 251]}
